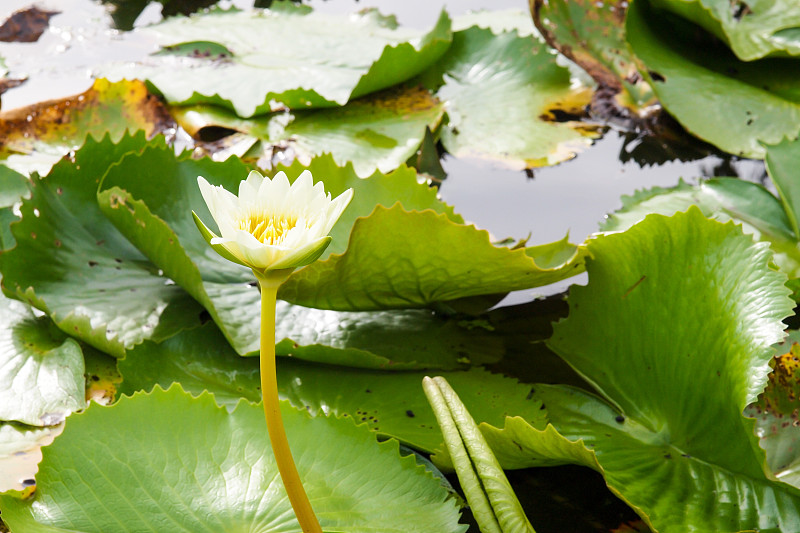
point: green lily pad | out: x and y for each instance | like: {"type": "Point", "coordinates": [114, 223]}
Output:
{"type": "Point", "coordinates": [592, 34]}
{"type": "Point", "coordinates": [380, 131]}
{"type": "Point", "coordinates": [198, 467]}
{"type": "Point", "coordinates": [390, 403]}
{"type": "Point", "coordinates": [13, 186]}
{"type": "Point", "coordinates": [156, 217]}
{"type": "Point", "coordinates": [35, 137]}
{"type": "Point", "coordinates": [499, 21]}
{"type": "Point", "coordinates": [733, 105]}
{"type": "Point", "coordinates": [752, 29]}
{"type": "Point", "coordinates": [484, 75]}
{"type": "Point", "coordinates": [723, 199]}
{"type": "Point", "coordinates": [675, 374]}
{"type": "Point", "coordinates": [41, 369]}
{"type": "Point", "coordinates": [287, 56]}
{"type": "Point", "coordinates": [91, 281]}
{"type": "Point", "coordinates": [399, 258]}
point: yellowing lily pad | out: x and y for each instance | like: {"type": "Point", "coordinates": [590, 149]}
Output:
{"type": "Point", "coordinates": [380, 131]}
{"type": "Point", "coordinates": [33, 138]}
{"type": "Point", "coordinates": [507, 99]}
{"type": "Point", "coordinates": [91, 281]}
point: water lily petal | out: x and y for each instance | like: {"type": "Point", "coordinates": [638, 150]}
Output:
{"type": "Point", "coordinates": [209, 236]}
{"type": "Point", "coordinates": [303, 256]}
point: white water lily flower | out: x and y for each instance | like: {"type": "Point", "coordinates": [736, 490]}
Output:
{"type": "Point", "coordinates": [271, 225]}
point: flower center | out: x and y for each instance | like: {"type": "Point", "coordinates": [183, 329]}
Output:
{"type": "Point", "coordinates": [267, 229]}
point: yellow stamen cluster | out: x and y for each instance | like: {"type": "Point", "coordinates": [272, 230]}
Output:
{"type": "Point", "coordinates": [267, 229]}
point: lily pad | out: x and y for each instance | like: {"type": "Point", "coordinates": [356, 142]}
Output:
{"type": "Point", "coordinates": [380, 131]}
{"type": "Point", "coordinates": [723, 199]}
{"type": "Point", "coordinates": [391, 404]}
{"type": "Point", "coordinates": [91, 281]}
{"type": "Point", "coordinates": [13, 186]}
{"type": "Point", "coordinates": [398, 258]}
{"type": "Point", "coordinates": [41, 369]}
{"type": "Point", "coordinates": [484, 75]}
{"type": "Point", "coordinates": [156, 217]}
{"type": "Point", "coordinates": [35, 137]}
{"type": "Point", "coordinates": [200, 468]}
{"type": "Point", "coordinates": [753, 30]}
{"type": "Point", "coordinates": [777, 412]}
{"type": "Point", "coordinates": [781, 161]}
{"type": "Point", "coordinates": [733, 105]}
{"type": "Point", "coordinates": [285, 56]}
{"type": "Point", "coordinates": [592, 34]}
{"type": "Point", "coordinates": [675, 374]}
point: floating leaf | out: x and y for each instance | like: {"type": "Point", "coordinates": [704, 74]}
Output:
{"type": "Point", "coordinates": [734, 105]}
{"type": "Point", "coordinates": [13, 186]}
{"type": "Point", "coordinates": [286, 56]}
{"type": "Point", "coordinates": [376, 132]}
{"type": "Point", "coordinates": [499, 21]}
{"type": "Point", "coordinates": [199, 467]}
{"type": "Point", "coordinates": [760, 213]}
{"type": "Point", "coordinates": [398, 258]}
{"type": "Point", "coordinates": [782, 160]}
{"type": "Point", "coordinates": [592, 34]}
{"type": "Point", "coordinates": [91, 281]}
{"type": "Point", "coordinates": [484, 76]}
{"type": "Point", "coordinates": [25, 25]}
{"type": "Point", "coordinates": [777, 412]}
{"type": "Point", "coordinates": [389, 403]}
{"type": "Point", "coordinates": [20, 453]}
{"type": "Point", "coordinates": [36, 136]}
{"type": "Point", "coordinates": [752, 29]}
{"type": "Point", "coordinates": [41, 369]}
{"type": "Point", "coordinates": [675, 372]}
{"type": "Point", "coordinates": [491, 498]}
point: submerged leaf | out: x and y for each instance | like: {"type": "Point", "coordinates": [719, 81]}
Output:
{"type": "Point", "coordinates": [36, 136]}
{"type": "Point", "coordinates": [198, 467]}
{"type": "Point", "coordinates": [731, 104]}
{"type": "Point", "coordinates": [484, 75]}
{"type": "Point", "coordinates": [286, 56]}
{"type": "Point", "coordinates": [380, 131]}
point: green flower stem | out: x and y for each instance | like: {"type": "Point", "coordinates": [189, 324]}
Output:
{"type": "Point", "coordinates": [269, 283]}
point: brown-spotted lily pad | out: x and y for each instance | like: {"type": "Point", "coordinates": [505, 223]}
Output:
{"type": "Point", "coordinates": [592, 34]}
{"type": "Point", "coordinates": [33, 138]}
